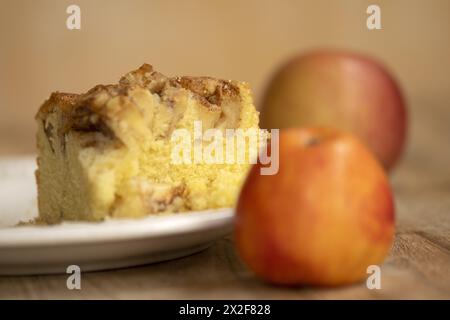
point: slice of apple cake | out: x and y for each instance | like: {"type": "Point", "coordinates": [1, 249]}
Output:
{"type": "Point", "coordinates": [109, 152]}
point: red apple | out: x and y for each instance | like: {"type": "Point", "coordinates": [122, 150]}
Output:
{"type": "Point", "coordinates": [345, 90]}
{"type": "Point", "coordinates": [323, 219]}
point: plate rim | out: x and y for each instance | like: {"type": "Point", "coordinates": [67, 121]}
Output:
{"type": "Point", "coordinates": [111, 230]}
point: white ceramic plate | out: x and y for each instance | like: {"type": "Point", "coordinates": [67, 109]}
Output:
{"type": "Point", "coordinates": [92, 246]}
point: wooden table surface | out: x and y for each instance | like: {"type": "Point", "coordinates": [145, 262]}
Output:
{"type": "Point", "coordinates": [417, 267]}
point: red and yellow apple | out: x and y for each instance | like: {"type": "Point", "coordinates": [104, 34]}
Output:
{"type": "Point", "coordinates": [325, 216]}
{"type": "Point", "coordinates": [341, 89]}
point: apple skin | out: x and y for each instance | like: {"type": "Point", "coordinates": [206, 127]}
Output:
{"type": "Point", "coordinates": [341, 89]}
{"type": "Point", "coordinates": [323, 218]}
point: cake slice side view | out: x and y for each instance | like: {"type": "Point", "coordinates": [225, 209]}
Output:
{"type": "Point", "coordinates": [107, 153]}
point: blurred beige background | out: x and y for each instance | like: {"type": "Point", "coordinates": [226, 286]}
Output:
{"type": "Point", "coordinates": [235, 39]}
